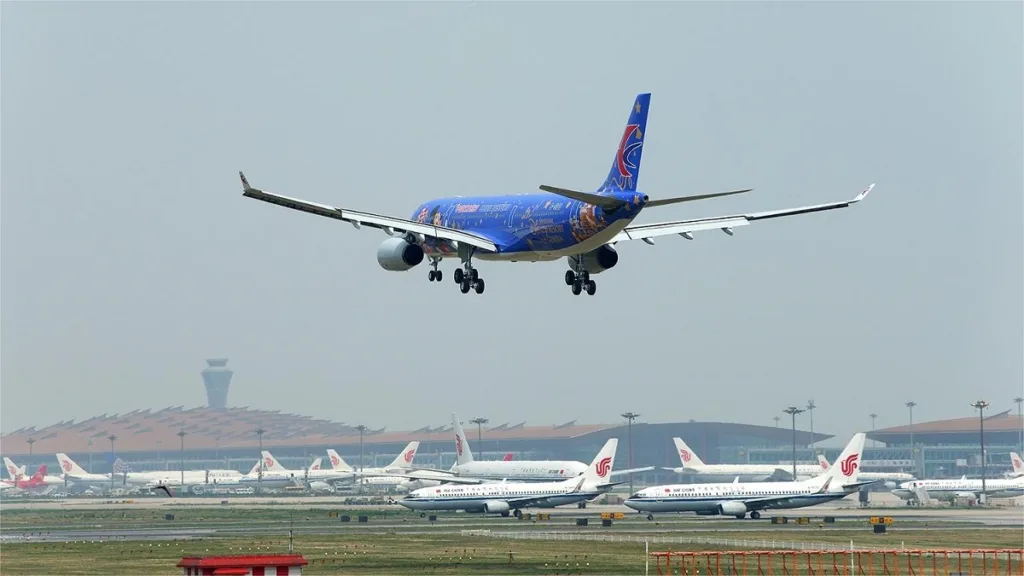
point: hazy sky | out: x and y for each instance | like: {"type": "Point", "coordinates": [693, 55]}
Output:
{"type": "Point", "coordinates": [129, 255]}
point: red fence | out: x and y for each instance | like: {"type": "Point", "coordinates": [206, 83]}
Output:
{"type": "Point", "coordinates": [843, 563]}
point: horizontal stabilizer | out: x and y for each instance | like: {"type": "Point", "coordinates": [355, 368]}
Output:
{"type": "Point", "coordinates": [667, 201]}
{"type": "Point", "coordinates": [607, 203]}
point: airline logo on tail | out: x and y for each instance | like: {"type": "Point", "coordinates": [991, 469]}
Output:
{"type": "Point", "coordinates": [685, 455]}
{"type": "Point", "coordinates": [12, 470]}
{"type": "Point", "coordinates": [1018, 464]}
{"type": "Point", "coordinates": [65, 464]}
{"type": "Point", "coordinates": [268, 462]}
{"type": "Point", "coordinates": [409, 455]}
{"type": "Point", "coordinates": [458, 444]}
{"type": "Point", "coordinates": [335, 460]}
{"type": "Point", "coordinates": [625, 149]}
{"type": "Point", "coordinates": [603, 466]}
{"type": "Point", "coordinates": [823, 463]}
{"type": "Point", "coordinates": [848, 465]}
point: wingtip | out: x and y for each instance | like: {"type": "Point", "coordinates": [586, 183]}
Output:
{"type": "Point", "coordinates": [864, 194]}
{"type": "Point", "coordinates": [245, 183]}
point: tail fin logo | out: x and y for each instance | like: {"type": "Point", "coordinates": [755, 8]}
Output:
{"type": "Point", "coordinates": [848, 465]}
{"type": "Point", "coordinates": [1017, 463]}
{"type": "Point", "coordinates": [685, 455]}
{"type": "Point", "coordinates": [268, 462]}
{"type": "Point", "coordinates": [458, 444]}
{"type": "Point", "coordinates": [408, 456]}
{"type": "Point", "coordinates": [335, 460]}
{"type": "Point", "coordinates": [66, 465]}
{"type": "Point", "coordinates": [626, 149]}
{"type": "Point", "coordinates": [603, 466]}
{"type": "Point", "coordinates": [824, 465]}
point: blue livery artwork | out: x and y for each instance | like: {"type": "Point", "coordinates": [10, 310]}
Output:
{"type": "Point", "coordinates": [581, 227]}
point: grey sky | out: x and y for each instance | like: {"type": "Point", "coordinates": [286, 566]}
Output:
{"type": "Point", "coordinates": [129, 254]}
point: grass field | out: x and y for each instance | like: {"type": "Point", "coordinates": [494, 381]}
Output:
{"type": "Point", "coordinates": [365, 553]}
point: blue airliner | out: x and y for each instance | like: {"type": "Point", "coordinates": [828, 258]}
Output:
{"type": "Point", "coordinates": [582, 227]}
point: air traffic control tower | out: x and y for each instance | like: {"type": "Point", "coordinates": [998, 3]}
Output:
{"type": "Point", "coordinates": [217, 378]}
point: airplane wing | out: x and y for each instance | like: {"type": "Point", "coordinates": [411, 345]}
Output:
{"type": "Point", "coordinates": [686, 228]}
{"type": "Point", "coordinates": [392, 226]}
{"type": "Point", "coordinates": [412, 475]}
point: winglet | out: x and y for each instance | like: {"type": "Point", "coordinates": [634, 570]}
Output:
{"type": "Point", "coordinates": [245, 183]}
{"type": "Point", "coordinates": [863, 194]}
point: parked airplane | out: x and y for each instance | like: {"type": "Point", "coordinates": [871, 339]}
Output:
{"type": "Point", "coordinates": [387, 477]}
{"type": "Point", "coordinates": [890, 479]}
{"type": "Point", "coordinates": [692, 464]}
{"type": "Point", "coordinates": [38, 483]}
{"type": "Point", "coordinates": [75, 473]}
{"type": "Point", "coordinates": [559, 223]}
{"type": "Point", "coordinates": [922, 490]}
{"type": "Point", "coordinates": [17, 475]}
{"type": "Point", "coordinates": [738, 498]}
{"type": "Point", "coordinates": [503, 497]}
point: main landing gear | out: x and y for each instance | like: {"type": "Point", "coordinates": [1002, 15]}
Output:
{"type": "Point", "coordinates": [580, 281]}
{"type": "Point", "coordinates": [467, 277]}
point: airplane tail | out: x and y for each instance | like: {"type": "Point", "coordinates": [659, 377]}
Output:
{"type": "Point", "coordinates": [507, 458]}
{"type": "Point", "coordinates": [315, 465]}
{"type": "Point", "coordinates": [844, 470]}
{"type": "Point", "coordinates": [1018, 464]}
{"type": "Point", "coordinates": [404, 459]}
{"type": "Point", "coordinates": [255, 468]}
{"type": "Point", "coordinates": [39, 475]}
{"type": "Point", "coordinates": [270, 463]}
{"type": "Point", "coordinates": [68, 466]}
{"type": "Point", "coordinates": [625, 169]}
{"type": "Point", "coordinates": [12, 470]}
{"type": "Point", "coordinates": [823, 462]}
{"type": "Point", "coordinates": [687, 456]}
{"type": "Point", "coordinates": [336, 461]}
{"type": "Point", "coordinates": [600, 469]}
{"type": "Point", "coordinates": [462, 451]}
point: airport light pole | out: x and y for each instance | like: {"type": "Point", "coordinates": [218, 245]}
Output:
{"type": "Point", "coordinates": [111, 438]}
{"type": "Point", "coordinates": [259, 475]}
{"type": "Point", "coordinates": [793, 411]}
{"type": "Point", "coordinates": [777, 418]}
{"type": "Point", "coordinates": [479, 427]}
{"type": "Point", "coordinates": [1020, 414]}
{"type": "Point", "coordinates": [873, 416]}
{"type": "Point", "coordinates": [980, 406]}
{"type": "Point", "coordinates": [913, 456]}
{"type": "Point", "coordinates": [810, 408]}
{"type": "Point", "coordinates": [30, 441]}
{"type": "Point", "coordinates": [181, 434]}
{"type": "Point", "coordinates": [362, 430]}
{"type": "Point", "coordinates": [630, 416]}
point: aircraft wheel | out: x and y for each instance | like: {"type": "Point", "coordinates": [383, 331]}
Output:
{"type": "Point", "coordinates": [650, 516]}
{"type": "Point", "coordinates": [504, 514]}
{"type": "Point", "coordinates": [755, 515]}
{"type": "Point", "coordinates": [479, 285]}
{"type": "Point", "coordinates": [570, 277]}
{"type": "Point", "coordinates": [585, 276]}
{"type": "Point", "coordinates": [517, 513]}
{"type": "Point", "coordinates": [591, 287]}
{"type": "Point", "coordinates": [474, 275]}
{"type": "Point", "coordinates": [439, 275]}
{"type": "Point", "coordinates": [423, 514]}
{"type": "Point", "coordinates": [432, 276]}
{"type": "Point", "coordinates": [577, 287]}
{"type": "Point", "coordinates": [459, 275]}
{"type": "Point", "coordinates": [464, 287]}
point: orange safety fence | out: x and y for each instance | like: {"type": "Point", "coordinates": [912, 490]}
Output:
{"type": "Point", "coordinates": [951, 562]}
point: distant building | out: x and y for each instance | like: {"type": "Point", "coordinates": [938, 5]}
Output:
{"type": "Point", "coordinates": [217, 379]}
{"type": "Point", "coordinates": [253, 565]}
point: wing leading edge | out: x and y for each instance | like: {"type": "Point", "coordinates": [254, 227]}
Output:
{"type": "Point", "coordinates": [388, 224]}
{"type": "Point", "coordinates": [686, 228]}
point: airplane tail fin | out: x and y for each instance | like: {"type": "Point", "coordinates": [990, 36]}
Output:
{"type": "Point", "coordinates": [315, 465]}
{"type": "Point", "coordinates": [823, 462]}
{"type": "Point", "coordinates": [600, 469]}
{"type": "Point", "coordinates": [270, 463]}
{"type": "Point", "coordinates": [68, 466]}
{"type": "Point", "coordinates": [1018, 464]}
{"type": "Point", "coordinates": [625, 169]}
{"type": "Point", "coordinates": [462, 451]}
{"type": "Point", "coordinates": [40, 474]}
{"type": "Point", "coordinates": [404, 459]}
{"type": "Point", "coordinates": [12, 470]}
{"type": "Point", "coordinates": [687, 456]}
{"type": "Point", "coordinates": [336, 461]}
{"type": "Point", "coordinates": [844, 470]}
{"type": "Point", "coordinates": [507, 458]}
{"type": "Point", "coordinates": [255, 468]}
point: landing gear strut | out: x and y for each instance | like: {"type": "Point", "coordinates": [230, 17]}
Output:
{"type": "Point", "coordinates": [580, 280]}
{"type": "Point", "coordinates": [435, 275]}
{"type": "Point", "coordinates": [467, 277]}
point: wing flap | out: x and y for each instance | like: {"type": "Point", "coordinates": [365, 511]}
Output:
{"type": "Point", "coordinates": [389, 224]}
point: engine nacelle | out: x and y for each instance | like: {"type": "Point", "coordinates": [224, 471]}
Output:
{"type": "Point", "coordinates": [597, 261]}
{"type": "Point", "coordinates": [732, 508]}
{"type": "Point", "coordinates": [496, 506]}
{"type": "Point", "coordinates": [397, 255]}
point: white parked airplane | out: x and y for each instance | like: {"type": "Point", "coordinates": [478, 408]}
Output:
{"type": "Point", "coordinates": [692, 464]}
{"type": "Point", "coordinates": [503, 497]}
{"type": "Point", "coordinates": [891, 479]}
{"type": "Point", "coordinates": [390, 476]}
{"type": "Point", "coordinates": [922, 490]}
{"type": "Point", "coordinates": [1017, 466]}
{"type": "Point", "coordinates": [738, 498]}
{"type": "Point", "coordinates": [75, 473]}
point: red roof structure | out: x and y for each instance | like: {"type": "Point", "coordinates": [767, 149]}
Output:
{"type": "Point", "coordinates": [241, 565]}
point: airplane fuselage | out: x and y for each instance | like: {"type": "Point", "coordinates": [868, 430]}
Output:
{"type": "Point", "coordinates": [528, 227]}
{"type": "Point", "coordinates": [707, 498]}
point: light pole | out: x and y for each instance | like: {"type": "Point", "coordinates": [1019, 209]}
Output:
{"type": "Point", "coordinates": [362, 430]}
{"type": "Point", "coordinates": [873, 416]}
{"type": "Point", "coordinates": [259, 476]}
{"type": "Point", "coordinates": [1020, 414]}
{"type": "Point", "coordinates": [777, 418]}
{"type": "Point", "coordinates": [181, 434]}
{"type": "Point", "coordinates": [111, 438]}
{"type": "Point", "coordinates": [630, 416]}
{"type": "Point", "coordinates": [479, 424]}
{"type": "Point", "coordinates": [810, 409]}
{"type": "Point", "coordinates": [980, 406]}
{"type": "Point", "coordinates": [793, 411]}
{"type": "Point", "coordinates": [913, 456]}
{"type": "Point", "coordinates": [30, 441]}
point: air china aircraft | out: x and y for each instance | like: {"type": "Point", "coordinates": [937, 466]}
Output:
{"type": "Point", "coordinates": [738, 498]}
{"type": "Point", "coordinates": [922, 490]}
{"type": "Point", "coordinates": [889, 478]}
{"type": "Point", "coordinates": [1017, 466]}
{"type": "Point", "coordinates": [581, 227]}
{"type": "Point", "coordinates": [77, 474]}
{"type": "Point", "coordinates": [692, 464]}
{"type": "Point", "coordinates": [502, 497]}
{"type": "Point", "coordinates": [390, 476]}
{"type": "Point", "coordinates": [38, 483]}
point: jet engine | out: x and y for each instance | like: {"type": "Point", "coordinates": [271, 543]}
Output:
{"type": "Point", "coordinates": [397, 255]}
{"type": "Point", "coordinates": [597, 261]}
{"type": "Point", "coordinates": [496, 507]}
{"type": "Point", "coordinates": [732, 508]}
